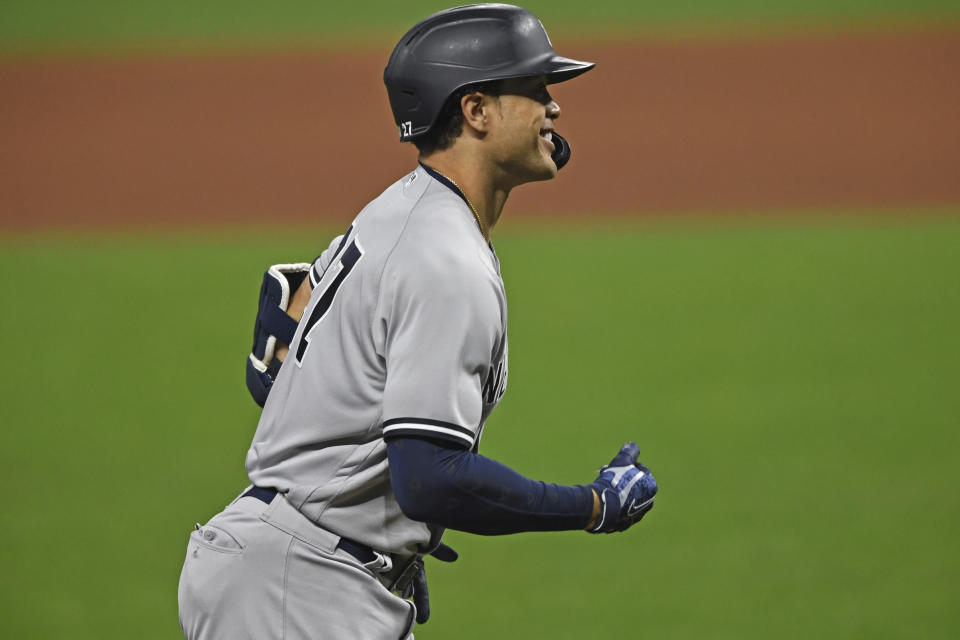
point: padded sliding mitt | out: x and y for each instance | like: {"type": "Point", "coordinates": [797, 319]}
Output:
{"type": "Point", "coordinates": [272, 324]}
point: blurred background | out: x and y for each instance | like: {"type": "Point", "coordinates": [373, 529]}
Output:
{"type": "Point", "coordinates": [750, 267]}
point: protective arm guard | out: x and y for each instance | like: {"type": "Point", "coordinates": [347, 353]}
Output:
{"type": "Point", "coordinates": [272, 324]}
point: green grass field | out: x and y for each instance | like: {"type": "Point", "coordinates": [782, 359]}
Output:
{"type": "Point", "coordinates": [58, 25]}
{"type": "Point", "coordinates": [792, 385]}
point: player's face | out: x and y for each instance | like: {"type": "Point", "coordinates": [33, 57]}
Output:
{"type": "Point", "coordinates": [524, 128]}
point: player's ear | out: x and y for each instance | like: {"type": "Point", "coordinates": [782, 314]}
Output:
{"type": "Point", "coordinates": [476, 108]}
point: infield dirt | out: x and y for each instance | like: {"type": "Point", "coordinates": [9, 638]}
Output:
{"type": "Point", "coordinates": [862, 121]}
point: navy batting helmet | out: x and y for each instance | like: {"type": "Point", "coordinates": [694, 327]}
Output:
{"type": "Point", "coordinates": [462, 46]}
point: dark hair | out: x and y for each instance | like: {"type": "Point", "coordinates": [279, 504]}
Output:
{"type": "Point", "coordinates": [449, 123]}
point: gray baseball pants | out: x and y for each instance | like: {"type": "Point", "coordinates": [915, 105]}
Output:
{"type": "Point", "coordinates": [264, 572]}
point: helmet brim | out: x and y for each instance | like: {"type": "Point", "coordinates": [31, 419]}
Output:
{"type": "Point", "coordinates": [560, 69]}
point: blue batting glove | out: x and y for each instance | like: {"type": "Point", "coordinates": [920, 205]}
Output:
{"type": "Point", "coordinates": [626, 489]}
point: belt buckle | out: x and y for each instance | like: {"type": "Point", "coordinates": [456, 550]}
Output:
{"type": "Point", "coordinates": [381, 563]}
{"type": "Point", "coordinates": [405, 579]}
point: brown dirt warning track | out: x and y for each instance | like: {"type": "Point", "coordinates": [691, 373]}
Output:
{"type": "Point", "coordinates": [808, 122]}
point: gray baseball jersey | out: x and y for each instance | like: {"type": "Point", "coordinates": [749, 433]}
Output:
{"type": "Point", "coordinates": [405, 334]}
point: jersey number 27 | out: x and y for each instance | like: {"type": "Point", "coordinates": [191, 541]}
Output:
{"type": "Point", "coordinates": [348, 260]}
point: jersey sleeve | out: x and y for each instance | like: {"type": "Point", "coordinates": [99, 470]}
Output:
{"type": "Point", "coordinates": [442, 322]}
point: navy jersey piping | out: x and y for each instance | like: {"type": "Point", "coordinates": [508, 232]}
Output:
{"type": "Point", "coordinates": [448, 183]}
{"type": "Point", "coordinates": [445, 181]}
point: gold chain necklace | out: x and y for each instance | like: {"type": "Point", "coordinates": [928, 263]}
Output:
{"type": "Point", "coordinates": [473, 209]}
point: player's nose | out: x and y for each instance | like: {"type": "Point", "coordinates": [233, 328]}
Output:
{"type": "Point", "coordinates": [553, 110]}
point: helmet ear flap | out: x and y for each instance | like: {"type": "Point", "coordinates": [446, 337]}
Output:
{"type": "Point", "coordinates": [561, 150]}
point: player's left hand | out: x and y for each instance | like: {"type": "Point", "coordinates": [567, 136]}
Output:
{"type": "Point", "coordinates": [421, 596]}
{"type": "Point", "coordinates": [626, 489]}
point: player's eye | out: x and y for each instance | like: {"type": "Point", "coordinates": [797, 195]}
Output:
{"type": "Point", "coordinates": [542, 95]}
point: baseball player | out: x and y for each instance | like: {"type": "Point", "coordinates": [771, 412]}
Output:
{"type": "Point", "coordinates": [393, 346]}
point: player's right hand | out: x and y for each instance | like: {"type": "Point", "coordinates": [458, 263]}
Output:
{"type": "Point", "coordinates": [273, 326]}
{"type": "Point", "coordinates": [626, 489]}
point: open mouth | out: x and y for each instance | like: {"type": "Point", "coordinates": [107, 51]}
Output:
{"type": "Point", "coordinates": [547, 135]}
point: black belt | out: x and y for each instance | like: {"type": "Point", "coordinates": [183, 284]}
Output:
{"type": "Point", "coordinates": [358, 550]}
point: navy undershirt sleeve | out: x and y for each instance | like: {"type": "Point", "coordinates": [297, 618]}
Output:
{"type": "Point", "coordinates": [458, 489]}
